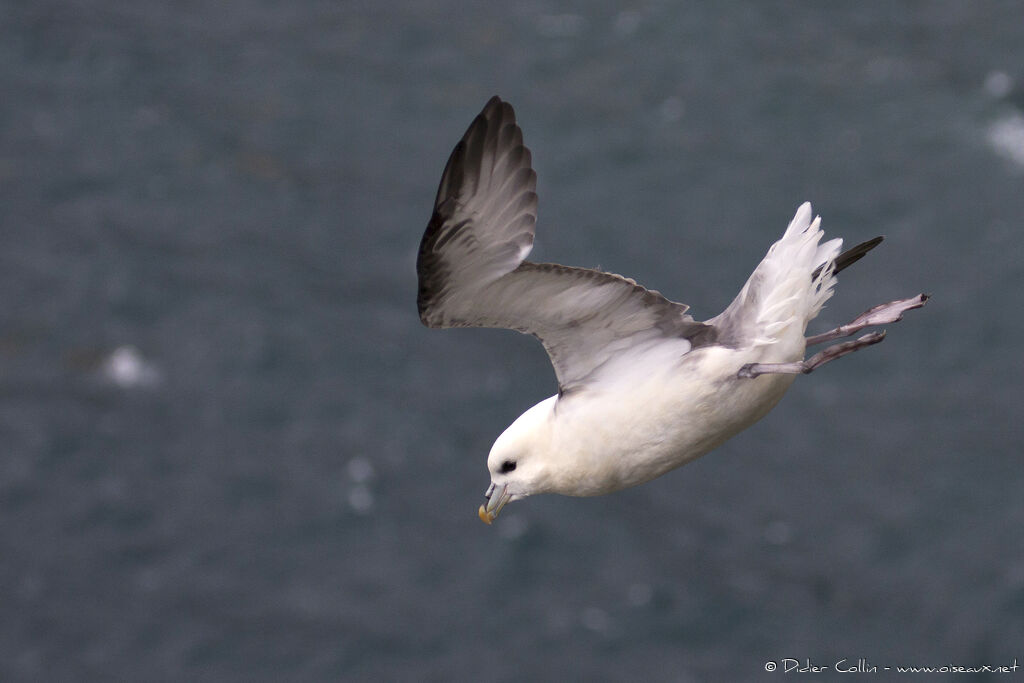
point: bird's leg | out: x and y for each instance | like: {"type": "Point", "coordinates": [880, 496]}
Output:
{"type": "Point", "coordinates": [751, 370]}
{"type": "Point", "coordinates": [882, 314]}
{"type": "Point", "coordinates": [879, 315]}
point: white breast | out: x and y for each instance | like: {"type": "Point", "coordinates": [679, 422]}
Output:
{"type": "Point", "coordinates": [658, 417]}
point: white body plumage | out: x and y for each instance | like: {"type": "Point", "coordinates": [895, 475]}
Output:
{"type": "Point", "coordinates": [643, 387]}
{"type": "Point", "coordinates": [663, 404]}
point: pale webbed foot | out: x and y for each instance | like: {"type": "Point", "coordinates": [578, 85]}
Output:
{"type": "Point", "coordinates": [751, 370]}
{"type": "Point", "coordinates": [882, 314]}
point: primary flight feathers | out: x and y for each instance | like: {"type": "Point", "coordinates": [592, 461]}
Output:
{"type": "Point", "coordinates": [472, 273]}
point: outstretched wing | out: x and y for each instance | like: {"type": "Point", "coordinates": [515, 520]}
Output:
{"type": "Point", "coordinates": [472, 273]}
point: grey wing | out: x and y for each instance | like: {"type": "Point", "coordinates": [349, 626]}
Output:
{"type": "Point", "coordinates": [472, 273]}
{"type": "Point", "coordinates": [484, 216]}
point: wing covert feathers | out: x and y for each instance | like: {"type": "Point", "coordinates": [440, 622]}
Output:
{"type": "Point", "coordinates": [472, 271]}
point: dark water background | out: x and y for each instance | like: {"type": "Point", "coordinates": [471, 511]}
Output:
{"type": "Point", "coordinates": [230, 452]}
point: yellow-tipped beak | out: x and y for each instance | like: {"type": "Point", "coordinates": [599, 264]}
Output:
{"type": "Point", "coordinates": [496, 496]}
{"type": "Point", "coordinates": [485, 516]}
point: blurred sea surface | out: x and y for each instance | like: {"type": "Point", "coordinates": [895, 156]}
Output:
{"type": "Point", "coordinates": [229, 451]}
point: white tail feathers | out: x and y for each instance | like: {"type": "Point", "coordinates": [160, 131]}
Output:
{"type": "Point", "coordinates": [781, 296]}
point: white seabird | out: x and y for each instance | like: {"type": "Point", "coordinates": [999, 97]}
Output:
{"type": "Point", "coordinates": [642, 387]}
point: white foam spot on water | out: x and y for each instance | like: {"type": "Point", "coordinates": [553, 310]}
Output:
{"type": "Point", "coordinates": [360, 470]}
{"type": "Point", "coordinates": [998, 83]}
{"type": "Point", "coordinates": [360, 499]}
{"type": "Point", "coordinates": [1006, 136]}
{"type": "Point", "coordinates": [127, 368]}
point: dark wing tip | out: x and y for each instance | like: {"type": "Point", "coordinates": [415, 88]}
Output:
{"type": "Point", "coordinates": [854, 254]}
{"type": "Point", "coordinates": [495, 104]}
{"type": "Point", "coordinates": [482, 132]}
{"type": "Point", "coordinates": [850, 256]}
{"type": "Point", "coordinates": [492, 146]}
{"type": "Point", "coordinates": [495, 111]}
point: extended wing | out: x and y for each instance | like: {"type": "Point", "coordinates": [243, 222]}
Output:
{"type": "Point", "coordinates": [472, 273]}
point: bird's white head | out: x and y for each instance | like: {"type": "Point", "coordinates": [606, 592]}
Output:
{"type": "Point", "coordinates": [517, 462]}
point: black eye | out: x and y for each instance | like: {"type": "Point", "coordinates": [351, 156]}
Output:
{"type": "Point", "coordinates": [507, 466]}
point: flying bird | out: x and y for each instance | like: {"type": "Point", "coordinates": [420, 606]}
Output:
{"type": "Point", "coordinates": [642, 387]}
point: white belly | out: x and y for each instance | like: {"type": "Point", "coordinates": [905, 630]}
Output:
{"type": "Point", "coordinates": [636, 430]}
